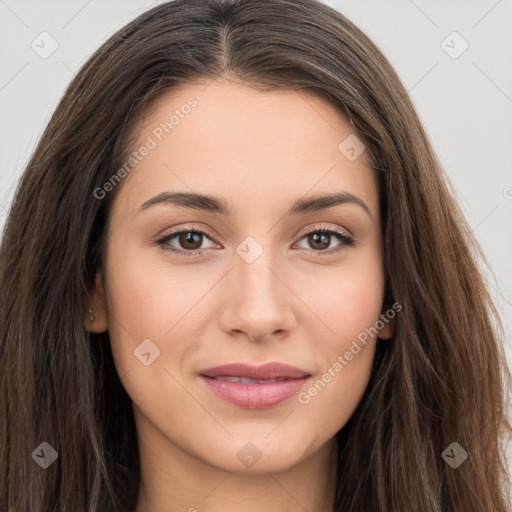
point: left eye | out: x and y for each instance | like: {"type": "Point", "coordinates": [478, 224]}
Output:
{"type": "Point", "coordinates": [190, 241]}
{"type": "Point", "coordinates": [320, 239]}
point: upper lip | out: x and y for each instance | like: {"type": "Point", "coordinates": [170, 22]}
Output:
{"type": "Point", "coordinates": [267, 371]}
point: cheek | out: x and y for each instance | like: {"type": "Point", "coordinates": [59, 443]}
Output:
{"type": "Point", "coordinates": [147, 288]}
{"type": "Point", "coordinates": [346, 299]}
{"type": "Point", "coordinates": [347, 302]}
{"type": "Point", "coordinates": [146, 299]}
{"type": "Point", "coordinates": [332, 396]}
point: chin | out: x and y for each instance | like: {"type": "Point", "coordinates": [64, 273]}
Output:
{"type": "Point", "coordinates": [258, 454]}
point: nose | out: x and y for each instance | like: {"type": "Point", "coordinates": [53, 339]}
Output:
{"type": "Point", "coordinates": [257, 301]}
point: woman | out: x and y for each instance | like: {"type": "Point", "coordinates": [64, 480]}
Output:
{"type": "Point", "coordinates": [234, 277]}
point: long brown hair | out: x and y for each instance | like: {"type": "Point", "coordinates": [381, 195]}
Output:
{"type": "Point", "coordinates": [441, 379]}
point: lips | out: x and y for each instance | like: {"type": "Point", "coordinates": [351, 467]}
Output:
{"type": "Point", "coordinates": [267, 371]}
{"type": "Point", "coordinates": [254, 387]}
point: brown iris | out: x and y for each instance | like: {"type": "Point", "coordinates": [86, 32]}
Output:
{"type": "Point", "coordinates": [323, 239]}
{"type": "Point", "coordinates": [190, 237]}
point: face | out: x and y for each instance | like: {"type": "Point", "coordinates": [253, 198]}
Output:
{"type": "Point", "coordinates": [245, 277]}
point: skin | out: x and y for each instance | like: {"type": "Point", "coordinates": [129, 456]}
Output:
{"type": "Point", "coordinates": [260, 151]}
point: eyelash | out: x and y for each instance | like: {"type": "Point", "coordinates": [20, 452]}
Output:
{"type": "Point", "coordinates": [346, 240]}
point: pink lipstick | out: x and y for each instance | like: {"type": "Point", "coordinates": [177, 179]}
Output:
{"type": "Point", "coordinates": [254, 387]}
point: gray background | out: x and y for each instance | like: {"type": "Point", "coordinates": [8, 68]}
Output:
{"type": "Point", "coordinates": [465, 102]}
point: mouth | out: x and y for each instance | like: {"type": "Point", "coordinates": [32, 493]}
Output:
{"type": "Point", "coordinates": [254, 387]}
{"type": "Point", "coordinates": [244, 380]}
{"type": "Point", "coordinates": [264, 372]}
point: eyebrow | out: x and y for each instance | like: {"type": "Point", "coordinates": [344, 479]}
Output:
{"type": "Point", "coordinates": [215, 204]}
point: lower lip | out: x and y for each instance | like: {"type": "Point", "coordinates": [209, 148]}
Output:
{"type": "Point", "coordinates": [255, 396]}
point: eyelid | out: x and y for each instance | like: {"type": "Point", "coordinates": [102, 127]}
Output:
{"type": "Point", "coordinates": [325, 227]}
{"type": "Point", "coordinates": [188, 227]}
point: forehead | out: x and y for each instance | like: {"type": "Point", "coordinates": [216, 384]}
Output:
{"type": "Point", "coordinates": [255, 148]}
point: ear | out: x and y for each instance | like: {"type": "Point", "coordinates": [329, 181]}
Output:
{"type": "Point", "coordinates": [97, 320]}
{"type": "Point", "coordinates": [388, 330]}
